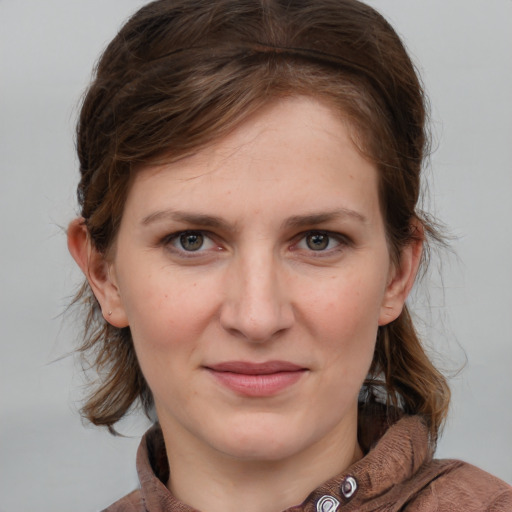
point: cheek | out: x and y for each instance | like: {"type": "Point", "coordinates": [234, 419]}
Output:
{"type": "Point", "coordinates": [167, 312]}
{"type": "Point", "coordinates": [346, 308]}
{"type": "Point", "coordinates": [344, 318]}
{"type": "Point", "coordinates": [168, 320]}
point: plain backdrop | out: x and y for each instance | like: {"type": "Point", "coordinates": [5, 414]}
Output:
{"type": "Point", "coordinates": [49, 461]}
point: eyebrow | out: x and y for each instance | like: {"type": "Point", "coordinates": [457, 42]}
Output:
{"type": "Point", "coordinates": [298, 221]}
{"type": "Point", "coordinates": [212, 221]}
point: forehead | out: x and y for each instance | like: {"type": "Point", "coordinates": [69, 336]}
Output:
{"type": "Point", "coordinates": [295, 150]}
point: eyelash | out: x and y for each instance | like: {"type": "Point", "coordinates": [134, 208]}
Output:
{"type": "Point", "coordinates": [342, 242]}
{"type": "Point", "coordinates": [169, 240]}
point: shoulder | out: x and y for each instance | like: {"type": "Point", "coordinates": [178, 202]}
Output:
{"type": "Point", "coordinates": [458, 486]}
{"type": "Point", "coordinates": [130, 503]}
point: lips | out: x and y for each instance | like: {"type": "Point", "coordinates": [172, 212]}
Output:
{"type": "Point", "coordinates": [257, 379]}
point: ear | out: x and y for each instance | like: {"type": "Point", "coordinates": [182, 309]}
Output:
{"type": "Point", "coordinates": [401, 279]}
{"type": "Point", "coordinates": [98, 272]}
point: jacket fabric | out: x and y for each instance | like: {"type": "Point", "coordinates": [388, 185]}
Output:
{"type": "Point", "coordinates": [398, 474]}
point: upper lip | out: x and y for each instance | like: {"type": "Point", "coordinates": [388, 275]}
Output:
{"type": "Point", "coordinates": [248, 368]}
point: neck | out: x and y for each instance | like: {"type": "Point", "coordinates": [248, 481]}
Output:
{"type": "Point", "coordinates": [219, 482]}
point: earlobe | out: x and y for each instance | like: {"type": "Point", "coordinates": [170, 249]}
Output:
{"type": "Point", "coordinates": [402, 277]}
{"type": "Point", "coordinates": [98, 272]}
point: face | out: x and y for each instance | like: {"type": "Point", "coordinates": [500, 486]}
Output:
{"type": "Point", "coordinates": [253, 276]}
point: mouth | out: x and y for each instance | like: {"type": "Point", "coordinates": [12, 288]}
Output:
{"type": "Point", "coordinates": [257, 379]}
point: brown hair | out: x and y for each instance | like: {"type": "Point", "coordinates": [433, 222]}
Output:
{"type": "Point", "coordinates": [182, 73]}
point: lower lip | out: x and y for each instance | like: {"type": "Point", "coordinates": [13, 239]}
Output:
{"type": "Point", "coordinates": [257, 385]}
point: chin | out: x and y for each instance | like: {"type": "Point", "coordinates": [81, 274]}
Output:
{"type": "Point", "coordinates": [262, 442]}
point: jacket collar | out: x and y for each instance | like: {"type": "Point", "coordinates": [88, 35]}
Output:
{"type": "Point", "coordinates": [391, 459]}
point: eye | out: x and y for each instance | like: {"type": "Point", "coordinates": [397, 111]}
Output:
{"type": "Point", "coordinates": [317, 241]}
{"type": "Point", "coordinates": [321, 241]}
{"type": "Point", "coordinates": [190, 241]}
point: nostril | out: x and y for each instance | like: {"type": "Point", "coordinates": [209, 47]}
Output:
{"type": "Point", "coordinates": [255, 328]}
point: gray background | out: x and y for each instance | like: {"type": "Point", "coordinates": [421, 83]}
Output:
{"type": "Point", "coordinates": [48, 460]}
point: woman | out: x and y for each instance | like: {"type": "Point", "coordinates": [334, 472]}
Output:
{"type": "Point", "coordinates": [249, 232]}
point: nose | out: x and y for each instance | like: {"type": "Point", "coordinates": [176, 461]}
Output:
{"type": "Point", "coordinates": [257, 306]}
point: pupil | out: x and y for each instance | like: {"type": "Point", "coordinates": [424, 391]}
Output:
{"type": "Point", "coordinates": [317, 241]}
{"type": "Point", "coordinates": [191, 241]}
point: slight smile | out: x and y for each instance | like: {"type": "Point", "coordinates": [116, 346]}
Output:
{"type": "Point", "coordinates": [257, 379]}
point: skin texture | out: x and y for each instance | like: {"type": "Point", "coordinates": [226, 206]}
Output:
{"type": "Point", "coordinates": [294, 267]}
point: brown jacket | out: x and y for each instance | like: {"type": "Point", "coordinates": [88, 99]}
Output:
{"type": "Point", "coordinates": [397, 475]}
